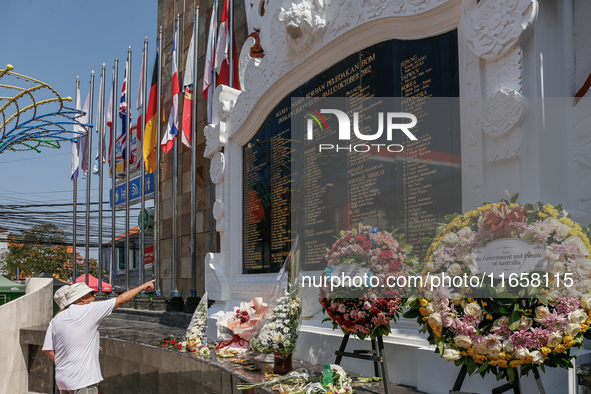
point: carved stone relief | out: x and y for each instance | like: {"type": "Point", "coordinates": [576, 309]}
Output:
{"type": "Point", "coordinates": [216, 133]}
{"type": "Point", "coordinates": [217, 167]}
{"type": "Point", "coordinates": [304, 25]}
{"type": "Point", "coordinates": [494, 32]}
{"type": "Point", "coordinates": [501, 118]}
{"type": "Point", "coordinates": [504, 72]}
{"type": "Point", "coordinates": [502, 112]}
{"type": "Point", "coordinates": [497, 26]}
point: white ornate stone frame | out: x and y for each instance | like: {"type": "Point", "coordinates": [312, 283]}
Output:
{"type": "Point", "coordinates": [301, 38]}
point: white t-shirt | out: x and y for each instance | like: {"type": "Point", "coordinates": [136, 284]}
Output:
{"type": "Point", "coordinates": [74, 337]}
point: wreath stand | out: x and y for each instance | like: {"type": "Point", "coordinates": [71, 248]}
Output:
{"type": "Point", "coordinates": [376, 354]}
{"type": "Point", "coordinates": [515, 386]}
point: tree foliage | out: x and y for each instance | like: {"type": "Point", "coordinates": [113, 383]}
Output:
{"type": "Point", "coordinates": [40, 248]}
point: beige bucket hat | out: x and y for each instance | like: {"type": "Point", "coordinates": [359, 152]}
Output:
{"type": "Point", "coordinates": [67, 295]}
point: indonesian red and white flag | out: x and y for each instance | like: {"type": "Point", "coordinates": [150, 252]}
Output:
{"type": "Point", "coordinates": [188, 84]}
{"type": "Point", "coordinates": [208, 75]}
{"type": "Point", "coordinates": [172, 129]}
{"type": "Point", "coordinates": [222, 53]}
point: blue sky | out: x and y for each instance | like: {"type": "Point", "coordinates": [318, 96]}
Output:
{"type": "Point", "coordinates": [55, 41]}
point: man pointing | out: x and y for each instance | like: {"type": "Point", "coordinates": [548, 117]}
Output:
{"type": "Point", "coordinates": [72, 338]}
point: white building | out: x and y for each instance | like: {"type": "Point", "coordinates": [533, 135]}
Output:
{"type": "Point", "coordinates": [522, 61]}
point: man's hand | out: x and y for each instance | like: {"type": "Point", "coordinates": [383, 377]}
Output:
{"type": "Point", "coordinates": [148, 286]}
{"type": "Point", "coordinates": [124, 298]}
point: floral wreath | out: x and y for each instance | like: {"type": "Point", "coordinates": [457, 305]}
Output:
{"type": "Point", "coordinates": [535, 327]}
{"type": "Point", "coordinates": [369, 308]}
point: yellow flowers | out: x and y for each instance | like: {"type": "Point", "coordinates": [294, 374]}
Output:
{"type": "Point", "coordinates": [479, 358]}
{"type": "Point", "coordinates": [515, 363]}
{"type": "Point", "coordinates": [559, 349]}
{"type": "Point", "coordinates": [423, 302]}
{"type": "Point", "coordinates": [568, 341]}
{"type": "Point", "coordinates": [546, 350]}
{"type": "Point", "coordinates": [436, 329]}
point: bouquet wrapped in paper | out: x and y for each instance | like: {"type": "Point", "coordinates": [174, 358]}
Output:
{"type": "Point", "coordinates": [195, 336]}
{"type": "Point", "coordinates": [281, 329]}
{"type": "Point", "coordinates": [281, 324]}
{"type": "Point", "coordinates": [237, 328]}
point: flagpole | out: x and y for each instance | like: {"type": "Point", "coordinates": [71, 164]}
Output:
{"type": "Point", "coordinates": [144, 94]}
{"type": "Point", "coordinates": [101, 128]}
{"type": "Point", "coordinates": [231, 43]}
{"type": "Point", "coordinates": [126, 161]}
{"type": "Point", "coordinates": [194, 155]}
{"type": "Point", "coordinates": [88, 177]}
{"type": "Point", "coordinates": [212, 243]}
{"type": "Point", "coordinates": [75, 197]}
{"type": "Point", "coordinates": [156, 266]}
{"type": "Point", "coordinates": [113, 177]}
{"type": "Point", "coordinates": [175, 170]}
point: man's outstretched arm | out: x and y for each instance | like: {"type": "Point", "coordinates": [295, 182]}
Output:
{"type": "Point", "coordinates": [124, 298]}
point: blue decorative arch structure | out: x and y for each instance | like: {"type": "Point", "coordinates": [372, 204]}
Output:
{"type": "Point", "coordinates": [33, 115]}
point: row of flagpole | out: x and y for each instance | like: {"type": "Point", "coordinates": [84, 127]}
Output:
{"type": "Point", "coordinates": [220, 67]}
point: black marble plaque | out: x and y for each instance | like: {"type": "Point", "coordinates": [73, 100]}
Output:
{"type": "Point", "coordinates": [290, 188]}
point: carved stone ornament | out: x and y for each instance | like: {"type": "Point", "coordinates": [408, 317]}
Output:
{"type": "Point", "coordinates": [218, 209]}
{"type": "Point", "coordinates": [497, 26]}
{"type": "Point", "coordinates": [216, 133]}
{"type": "Point", "coordinates": [246, 57]}
{"type": "Point", "coordinates": [255, 11]}
{"type": "Point", "coordinates": [217, 167]}
{"type": "Point", "coordinates": [502, 112]}
{"type": "Point", "coordinates": [304, 25]}
{"type": "Point", "coordinates": [505, 147]}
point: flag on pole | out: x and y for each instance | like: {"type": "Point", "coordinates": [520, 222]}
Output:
{"type": "Point", "coordinates": [188, 84]}
{"type": "Point", "coordinates": [139, 104]}
{"type": "Point", "coordinates": [85, 119]}
{"type": "Point", "coordinates": [100, 128]}
{"type": "Point", "coordinates": [172, 129]}
{"type": "Point", "coordinates": [150, 143]}
{"type": "Point", "coordinates": [75, 142]}
{"type": "Point", "coordinates": [209, 60]}
{"type": "Point", "coordinates": [222, 53]}
{"type": "Point", "coordinates": [110, 118]}
{"type": "Point", "coordinates": [122, 115]}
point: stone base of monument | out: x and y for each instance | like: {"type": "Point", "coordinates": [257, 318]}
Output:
{"type": "Point", "coordinates": [142, 302]}
{"type": "Point", "coordinates": [191, 304]}
{"type": "Point", "coordinates": [158, 303]}
{"type": "Point", "coordinates": [175, 304]}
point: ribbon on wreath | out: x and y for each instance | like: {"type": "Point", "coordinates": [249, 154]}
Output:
{"type": "Point", "coordinates": [235, 339]}
{"type": "Point", "coordinates": [499, 220]}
